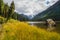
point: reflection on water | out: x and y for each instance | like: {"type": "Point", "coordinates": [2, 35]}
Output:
{"type": "Point", "coordinates": [40, 24]}
{"type": "Point", "coordinates": [34, 23]}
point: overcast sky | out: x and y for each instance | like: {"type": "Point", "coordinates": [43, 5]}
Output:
{"type": "Point", "coordinates": [31, 7]}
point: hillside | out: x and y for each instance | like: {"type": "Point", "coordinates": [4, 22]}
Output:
{"type": "Point", "coordinates": [15, 30]}
{"type": "Point", "coordinates": [52, 12]}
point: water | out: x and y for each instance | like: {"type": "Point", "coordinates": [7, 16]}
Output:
{"type": "Point", "coordinates": [41, 24]}
{"type": "Point", "coordinates": [37, 22]}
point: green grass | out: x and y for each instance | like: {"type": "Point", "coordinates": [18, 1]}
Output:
{"type": "Point", "coordinates": [15, 30]}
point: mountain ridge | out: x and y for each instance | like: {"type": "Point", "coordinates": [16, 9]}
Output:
{"type": "Point", "coordinates": [52, 12]}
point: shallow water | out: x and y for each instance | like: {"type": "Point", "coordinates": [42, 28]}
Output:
{"type": "Point", "coordinates": [42, 25]}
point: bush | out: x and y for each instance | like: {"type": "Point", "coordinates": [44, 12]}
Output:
{"type": "Point", "coordinates": [2, 20]}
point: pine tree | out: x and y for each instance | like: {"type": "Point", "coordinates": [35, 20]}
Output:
{"type": "Point", "coordinates": [6, 7]}
{"type": "Point", "coordinates": [15, 15]}
{"type": "Point", "coordinates": [1, 7]}
{"type": "Point", "coordinates": [11, 10]}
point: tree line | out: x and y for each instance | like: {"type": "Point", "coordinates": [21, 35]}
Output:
{"type": "Point", "coordinates": [6, 11]}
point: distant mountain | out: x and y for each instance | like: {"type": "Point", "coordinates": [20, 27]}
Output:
{"type": "Point", "coordinates": [52, 12]}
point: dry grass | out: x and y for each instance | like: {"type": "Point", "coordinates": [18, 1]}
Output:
{"type": "Point", "coordinates": [15, 30]}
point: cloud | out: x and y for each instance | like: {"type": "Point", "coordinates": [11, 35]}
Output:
{"type": "Point", "coordinates": [31, 7]}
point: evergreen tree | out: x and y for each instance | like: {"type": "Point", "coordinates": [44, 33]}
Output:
{"type": "Point", "coordinates": [11, 10]}
{"type": "Point", "coordinates": [1, 7]}
{"type": "Point", "coordinates": [15, 15]}
{"type": "Point", "coordinates": [6, 7]}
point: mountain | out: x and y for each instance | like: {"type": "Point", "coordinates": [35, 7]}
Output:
{"type": "Point", "coordinates": [52, 12]}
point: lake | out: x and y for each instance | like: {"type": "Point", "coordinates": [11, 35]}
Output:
{"type": "Point", "coordinates": [41, 24]}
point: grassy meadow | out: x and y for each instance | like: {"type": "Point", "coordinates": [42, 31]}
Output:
{"type": "Point", "coordinates": [16, 30]}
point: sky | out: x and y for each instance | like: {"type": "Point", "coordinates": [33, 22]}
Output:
{"type": "Point", "coordinates": [31, 7]}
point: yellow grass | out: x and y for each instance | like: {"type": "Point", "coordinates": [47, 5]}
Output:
{"type": "Point", "coordinates": [15, 30]}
